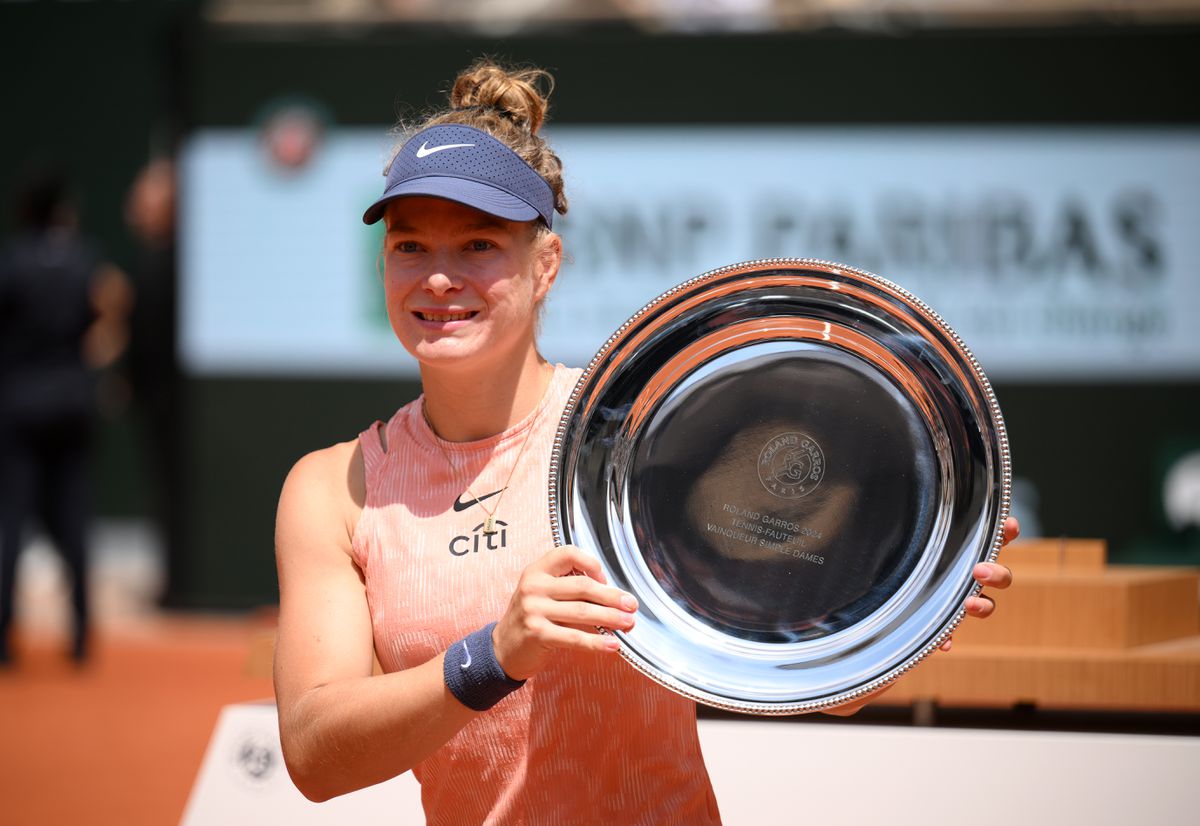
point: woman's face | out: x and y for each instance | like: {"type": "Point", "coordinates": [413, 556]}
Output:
{"type": "Point", "coordinates": [463, 286]}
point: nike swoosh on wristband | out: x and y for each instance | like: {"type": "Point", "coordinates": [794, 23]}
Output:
{"type": "Point", "coordinates": [460, 505]}
{"type": "Point", "coordinates": [467, 664]}
{"type": "Point", "coordinates": [422, 151]}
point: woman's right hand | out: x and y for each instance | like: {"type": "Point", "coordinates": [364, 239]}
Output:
{"type": "Point", "coordinates": [551, 608]}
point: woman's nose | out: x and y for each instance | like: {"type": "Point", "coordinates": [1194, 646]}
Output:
{"type": "Point", "coordinates": [439, 282]}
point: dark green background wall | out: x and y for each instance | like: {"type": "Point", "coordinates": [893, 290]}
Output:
{"type": "Point", "coordinates": [1062, 435]}
{"type": "Point", "coordinates": [133, 71]}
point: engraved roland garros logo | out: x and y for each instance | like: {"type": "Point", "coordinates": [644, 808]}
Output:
{"type": "Point", "coordinates": [791, 465]}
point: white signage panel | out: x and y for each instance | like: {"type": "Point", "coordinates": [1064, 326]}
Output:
{"type": "Point", "coordinates": [1113, 779]}
{"type": "Point", "coordinates": [1057, 254]}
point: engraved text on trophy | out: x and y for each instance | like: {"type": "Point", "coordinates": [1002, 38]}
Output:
{"type": "Point", "coordinates": [791, 465]}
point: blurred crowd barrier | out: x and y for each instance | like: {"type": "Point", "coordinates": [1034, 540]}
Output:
{"type": "Point", "coordinates": [704, 15]}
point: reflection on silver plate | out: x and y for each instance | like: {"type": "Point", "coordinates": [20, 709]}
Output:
{"type": "Point", "coordinates": [794, 465]}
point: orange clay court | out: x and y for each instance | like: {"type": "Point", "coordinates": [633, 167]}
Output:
{"type": "Point", "coordinates": [119, 741]}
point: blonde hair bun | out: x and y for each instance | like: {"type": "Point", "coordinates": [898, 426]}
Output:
{"type": "Point", "coordinates": [513, 93]}
{"type": "Point", "coordinates": [508, 104]}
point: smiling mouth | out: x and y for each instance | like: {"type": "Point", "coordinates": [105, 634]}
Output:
{"type": "Point", "coordinates": [461, 316]}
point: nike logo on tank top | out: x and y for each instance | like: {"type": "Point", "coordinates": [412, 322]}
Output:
{"type": "Point", "coordinates": [588, 739]}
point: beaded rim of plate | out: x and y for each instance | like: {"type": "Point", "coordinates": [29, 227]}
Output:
{"type": "Point", "coordinates": [764, 266]}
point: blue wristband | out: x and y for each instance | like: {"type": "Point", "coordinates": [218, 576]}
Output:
{"type": "Point", "coordinates": [473, 674]}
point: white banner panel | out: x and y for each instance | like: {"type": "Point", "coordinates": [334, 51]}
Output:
{"type": "Point", "coordinates": [1057, 254]}
{"type": "Point", "coordinates": [1048, 777]}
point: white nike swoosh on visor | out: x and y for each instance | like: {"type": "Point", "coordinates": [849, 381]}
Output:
{"type": "Point", "coordinates": [422, 152]}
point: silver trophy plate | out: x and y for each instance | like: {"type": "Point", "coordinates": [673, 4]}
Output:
{"type": "Point", "coordinates": [794, 465]}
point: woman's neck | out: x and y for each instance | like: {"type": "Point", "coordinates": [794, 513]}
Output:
{"type": "Point", "coordinates": [465, 405]}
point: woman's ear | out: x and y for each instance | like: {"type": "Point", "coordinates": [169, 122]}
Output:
{"type": "Point", "coordinates": [547, 259]}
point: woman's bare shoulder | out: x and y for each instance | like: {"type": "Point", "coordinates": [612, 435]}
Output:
{"type": "Point", "coordinates": [326, 488]}
{"type": "Point", "coordinates": [330, 467]}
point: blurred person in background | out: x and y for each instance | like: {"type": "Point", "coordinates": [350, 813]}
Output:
{"type": "Point", "coordinates": [496, 689]}
{"type": "Point", "coordinates": [62, 317]}
{"type": "Point", "coordinates": [150, 360]}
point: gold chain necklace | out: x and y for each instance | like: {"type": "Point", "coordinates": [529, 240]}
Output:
{"type": "Point", "coordinates": [489, 525]}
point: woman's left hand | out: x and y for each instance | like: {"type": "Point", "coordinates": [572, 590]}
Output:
{"type": "Point", "coordinates": [987, 574]}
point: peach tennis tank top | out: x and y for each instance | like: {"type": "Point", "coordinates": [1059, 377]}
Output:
{"type": "Point", "coordinates": [586, 740]}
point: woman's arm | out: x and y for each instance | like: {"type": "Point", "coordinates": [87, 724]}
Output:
{"type": "Point", "coordinates": [341, 728]}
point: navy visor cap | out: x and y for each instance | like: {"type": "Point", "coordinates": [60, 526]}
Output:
{"type": "Point", "coordinates": [467, 165]}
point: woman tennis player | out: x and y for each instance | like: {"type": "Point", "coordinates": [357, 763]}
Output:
{"type": "Point", "coordinates": [426, 543]}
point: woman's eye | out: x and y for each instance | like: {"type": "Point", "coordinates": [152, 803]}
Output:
{"type": "Point", "coordinates": [406, 246]}
{"type": "Point", "coordinates": [480, 245]}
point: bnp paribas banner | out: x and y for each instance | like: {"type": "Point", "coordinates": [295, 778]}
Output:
{"type": "Point", "coordinates": [1057, 254]}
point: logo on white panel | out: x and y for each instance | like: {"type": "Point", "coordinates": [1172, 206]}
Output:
{"type": "Point", "coordinates": [256, 758]}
